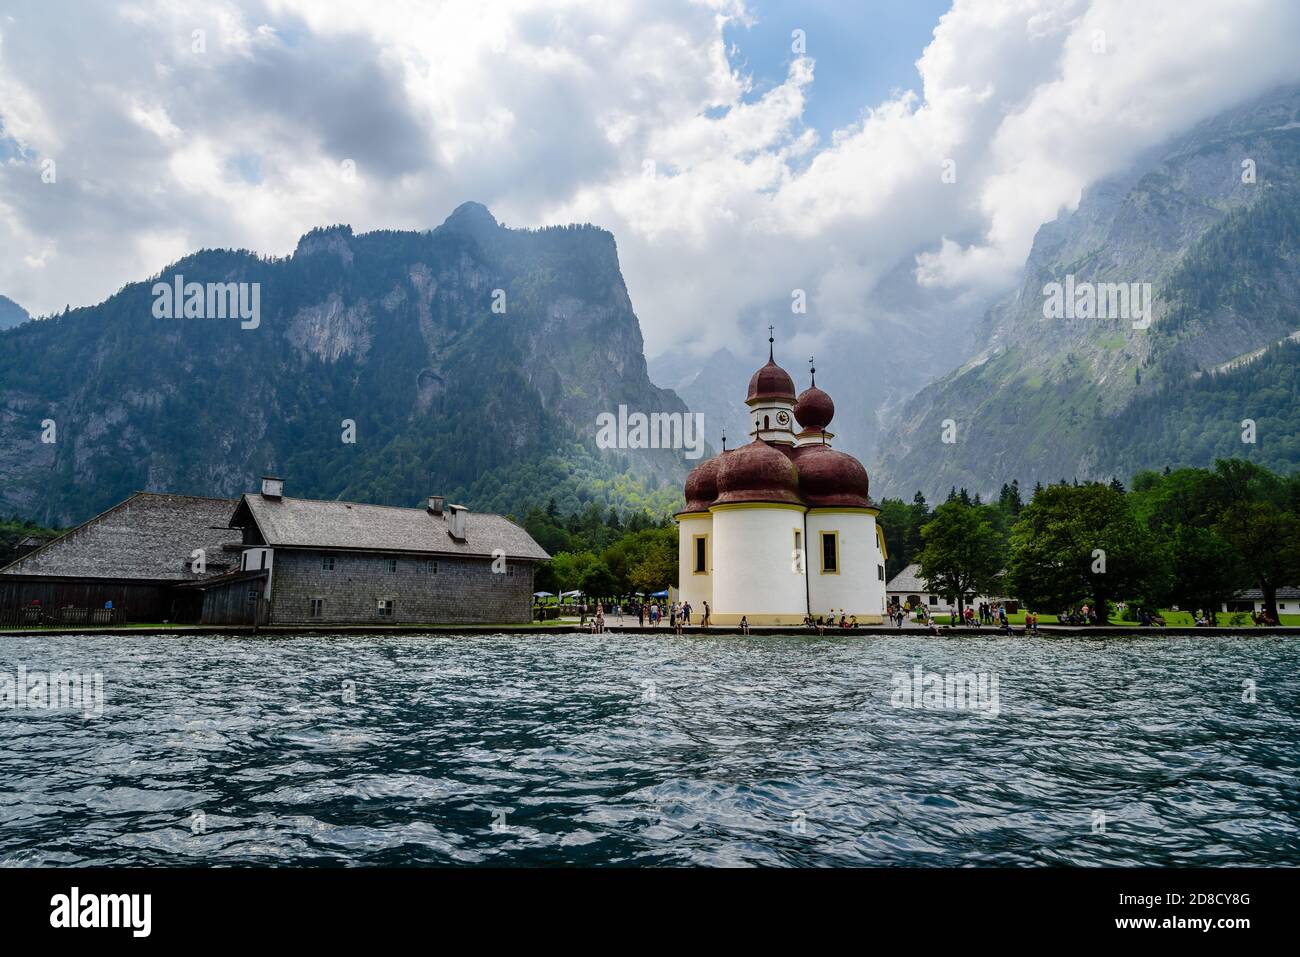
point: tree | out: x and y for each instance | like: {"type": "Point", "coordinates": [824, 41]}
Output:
{"type": "Point", "coordinates": [1267, 540]}
{"type": "Point", "coordinates": [656, 571]}
{"type": "Point", "coordinates": [655, 546]}
{"type": "Point", "coordinates": [962, 553]}
{"type": "Point", "coordinates": [919, 514]}
{"type": "Point", "coordinates": [565, 570]}
{"type": "Point", "coordinates": [599, 582]}
{"type": "Point", "coordinates": [1076, 542]}
{"type": "Point", "coordinates": [1009, 498]}
{"type": "Point", "coordinates": [1206, 570]}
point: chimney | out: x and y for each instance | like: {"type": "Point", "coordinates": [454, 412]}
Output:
{"type": "Point", "coordinates": [435, 504]}
{"type": "Point", "coordinates": [457, 521]}
{"type": "Point", "coordinates": [272, 488]}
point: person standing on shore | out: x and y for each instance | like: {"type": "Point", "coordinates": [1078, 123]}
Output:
{"type": "Point", "coordinates": [704, 622]}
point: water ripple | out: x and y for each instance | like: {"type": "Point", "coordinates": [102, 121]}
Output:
{"type": "Point", "coordinates": [578, 749]}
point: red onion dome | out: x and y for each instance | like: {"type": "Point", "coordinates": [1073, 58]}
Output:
{"type": "Point", "coordinates": [814, 410]}
{"type": "Point", "coordinates": [828, 478]}
{"type": "Point", "coordinates": [757, 472]}
{"type": "Point", "coordinates": [771, 382]}
{"type": "Point", "coordinates": [702, 485]}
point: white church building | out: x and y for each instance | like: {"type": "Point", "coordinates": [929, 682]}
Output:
{"type": "Point", "coordinates": [783, 527]}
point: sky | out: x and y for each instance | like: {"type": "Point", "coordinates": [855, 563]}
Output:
{"type": "Point", "coordinates": [737, 151]}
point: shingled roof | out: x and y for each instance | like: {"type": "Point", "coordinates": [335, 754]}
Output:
{"type": "Point", "coordinates": [908, 580]}
{"type": "Point", "coordinates": [1255, 594]}
{"type": "Point", "coordinates": [308, 523]}
{"type": "Point", "coordinates": [150, 536]}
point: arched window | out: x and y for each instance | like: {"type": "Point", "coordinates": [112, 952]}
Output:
{"type": "Point", "coordinates": [767, 423]}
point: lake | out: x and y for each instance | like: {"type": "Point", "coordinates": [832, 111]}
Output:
{"type": "Point", "coordinates": [652, 750]}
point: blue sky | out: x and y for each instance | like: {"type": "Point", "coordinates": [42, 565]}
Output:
{"type": "Point", "coordinates": [864, 51]}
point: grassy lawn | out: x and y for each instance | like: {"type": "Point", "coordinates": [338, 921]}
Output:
{"type": "Point", "coordinates": [1172, 618]}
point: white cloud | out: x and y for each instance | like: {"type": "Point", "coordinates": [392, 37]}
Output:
{"type": "Point", "coordinates": [550, 110]}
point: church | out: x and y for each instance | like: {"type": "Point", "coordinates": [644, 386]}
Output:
{"type": "Point", "coordinates": [783, 527]}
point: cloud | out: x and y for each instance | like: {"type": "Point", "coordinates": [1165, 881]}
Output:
{"type": "Point", "coordinates": [631, 116]}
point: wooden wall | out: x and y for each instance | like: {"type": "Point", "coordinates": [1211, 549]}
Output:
{"type": "Point", "coordinates": [137, 601]}
{"type": "Point", "coordinates": [229, 604]}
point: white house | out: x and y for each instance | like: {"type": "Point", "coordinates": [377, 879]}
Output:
{"type": "Point", "coordinates": [1252, 599]}
{"type": "Point", "coordinates": [908, 587]}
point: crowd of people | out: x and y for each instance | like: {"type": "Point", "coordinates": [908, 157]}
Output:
{"type": "Point", "coordinates": [975, 616]}
{"type": "Point", "coordinates": [820, 623]}
{"type": "Point", "coordinates": [676, 615]}
{"type": "Point", "coordinates": [679, 615]}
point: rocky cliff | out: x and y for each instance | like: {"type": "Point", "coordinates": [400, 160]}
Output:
{"type": "Point", "coordinates": [1211, 223]}
{"type": "Point", "coordinates": [471, 360]}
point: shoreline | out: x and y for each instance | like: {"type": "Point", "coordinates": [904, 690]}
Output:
{"type": "Point", "coordinates": [875, 631]}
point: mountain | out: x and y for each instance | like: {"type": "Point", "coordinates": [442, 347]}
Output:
{"type": "Point", "coordinates": [715, 388]}
{"type": "Point", "coordinates": [1050, 398]}
{"type": "Point", "coordinates": [395, 332]}
{"type": "Point", "coordinates": [11, 314]}
{"type": "Point", "coordinates": [869, 368]}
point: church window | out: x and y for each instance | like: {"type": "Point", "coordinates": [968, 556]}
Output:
{"type": "Point", "coordinates": [701, 566]}
{"type": "Point", "coordinates": [830, 553]}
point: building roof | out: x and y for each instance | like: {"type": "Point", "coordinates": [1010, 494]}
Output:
{"type": "Point", "coordinates": [150, 536]}
{"type": "Point", "coordinates": [831, 479]}
{"type": "Point", "coordinates": [1291, 592]}
{"type": "Point", "coordinates": [908, 580]}
{"type": "Point", "coordinates": [350, 526]}
{"type": "Point", "coordinates": [814, 410]}
{"type": "Point", "coordinates": [771, 382]}
{"type": "Point", "coordinates": [757, 472]}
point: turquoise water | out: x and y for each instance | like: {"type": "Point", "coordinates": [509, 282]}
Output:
{"type": "Point", "coordinates": [580, 749]}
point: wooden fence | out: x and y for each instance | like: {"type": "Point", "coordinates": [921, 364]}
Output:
{"type": "Point", "coordinates": [35, 616]}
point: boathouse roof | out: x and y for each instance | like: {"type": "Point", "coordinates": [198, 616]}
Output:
{"type": "Point", "coordinates": [150, 537]}
{"type": "Point", "coordinates": [351, 526]}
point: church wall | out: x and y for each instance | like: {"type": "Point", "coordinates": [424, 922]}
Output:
{"type": "Point", "coordinates": [694, 588]}
{"type": "Point", "coordinates": [754, 565]}
{"type": "Point", "coordinates": [857, 588]}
